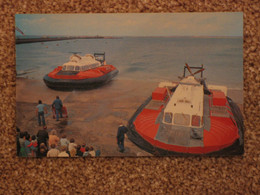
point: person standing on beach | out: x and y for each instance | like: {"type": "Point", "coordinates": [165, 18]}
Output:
{"type": "Point", "coordinates": [40, 110]}
{"type": "Point", "coordinates": [120, 137]}
{"type": "Point", "coordinates": [57, 104]}
{"type": "Point", "coordinates": [42, 136]}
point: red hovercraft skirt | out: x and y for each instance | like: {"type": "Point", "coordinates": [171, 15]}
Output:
{"type": "Point", "coordinates": [237, 148]}
{"type": "Point", "coordinates": [61, 80]}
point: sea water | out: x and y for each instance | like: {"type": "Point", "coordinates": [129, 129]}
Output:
{"type": "Point", "coordinates": [142, 58]}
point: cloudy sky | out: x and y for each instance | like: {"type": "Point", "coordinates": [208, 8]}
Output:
{"type": "Point", "coordinates": [156, 24]}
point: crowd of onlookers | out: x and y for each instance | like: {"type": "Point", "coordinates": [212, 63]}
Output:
{"type": "Point", "coordinates": [46, 144]}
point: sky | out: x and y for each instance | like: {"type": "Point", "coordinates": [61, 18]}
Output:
{"type": "Point", "coordinates": [132, 24]}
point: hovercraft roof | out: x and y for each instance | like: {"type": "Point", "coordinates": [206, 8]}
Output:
{"type": "Point", "coordinates": [187, 98]}
{"type": "Point", "coordinates": [77, 60]}
{"type": "Point", "coordinates": [190, 80]}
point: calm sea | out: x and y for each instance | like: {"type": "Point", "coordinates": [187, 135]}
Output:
{"type": "Point", "coordinates": [142, 58]}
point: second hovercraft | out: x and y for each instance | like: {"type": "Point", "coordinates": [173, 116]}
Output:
{"type": "Point", "coordinates": [81, 72]}
{"type": "Point", "coordinates": [188, 118]}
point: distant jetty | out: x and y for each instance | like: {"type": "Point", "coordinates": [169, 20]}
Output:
{"type": "Point", "coordinates": [45, 39]}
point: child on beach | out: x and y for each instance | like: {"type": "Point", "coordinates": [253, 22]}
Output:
{"type": "Point", "coordinates": [83, 148]}
{"type": "Point", "coordinates": [92, 151]}
{"type": "Point", "coordinates": [33, 146]}
{"type": "Point", "coordinates": [72, 145]}
{"type": "Point", "coordinates": [64, 141]}
{"type": "Point", "coordinates": [86, 153]}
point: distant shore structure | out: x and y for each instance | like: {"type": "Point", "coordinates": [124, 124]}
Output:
{"type": "Point", "coordinates": [58, 38]}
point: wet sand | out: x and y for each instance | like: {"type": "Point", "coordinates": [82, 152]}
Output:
{"type": "Point", "coordinates": [93, 115]}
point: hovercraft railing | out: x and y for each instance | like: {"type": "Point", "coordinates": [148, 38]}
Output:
{"type": "Point", "coordinates": [199, 68]}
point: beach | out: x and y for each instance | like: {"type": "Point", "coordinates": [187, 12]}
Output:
{"type": "Point", "coordinates": [93, 115]}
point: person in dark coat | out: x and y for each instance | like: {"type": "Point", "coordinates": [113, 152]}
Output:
{"type": "Point", "coordinates": [42, 140]}
{"type": "Point", "coordinates": [42, 136]}
{"type": "Point", "coordinates": [120, 137]}
{"type": "Point", "coordinates": [57, 104]}
{"type": "Point", "coordinates": [17, 141]}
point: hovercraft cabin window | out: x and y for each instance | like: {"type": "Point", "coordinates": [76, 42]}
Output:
{"type": "Point", "coordinates": [195, 120]}
{"type": "Point", "coordinates": [87, 67]}
{"type": "Point", "coordinates": [70, 68]}
{"type": "Point", "coordinates": [182, 119]}
{"type": "Point", "coordinates": [168, 117]}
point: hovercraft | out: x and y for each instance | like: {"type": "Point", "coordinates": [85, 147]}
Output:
{"type": "Point", "coordinates": [188, 118]}
{"type": "Point", "coordinates": [81, 72]}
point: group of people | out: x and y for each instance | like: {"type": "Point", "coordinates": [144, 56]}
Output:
{"type": "Point", "coordinates": [41, 110]}
{"type": "Point", "coordinates": [46, 144]}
